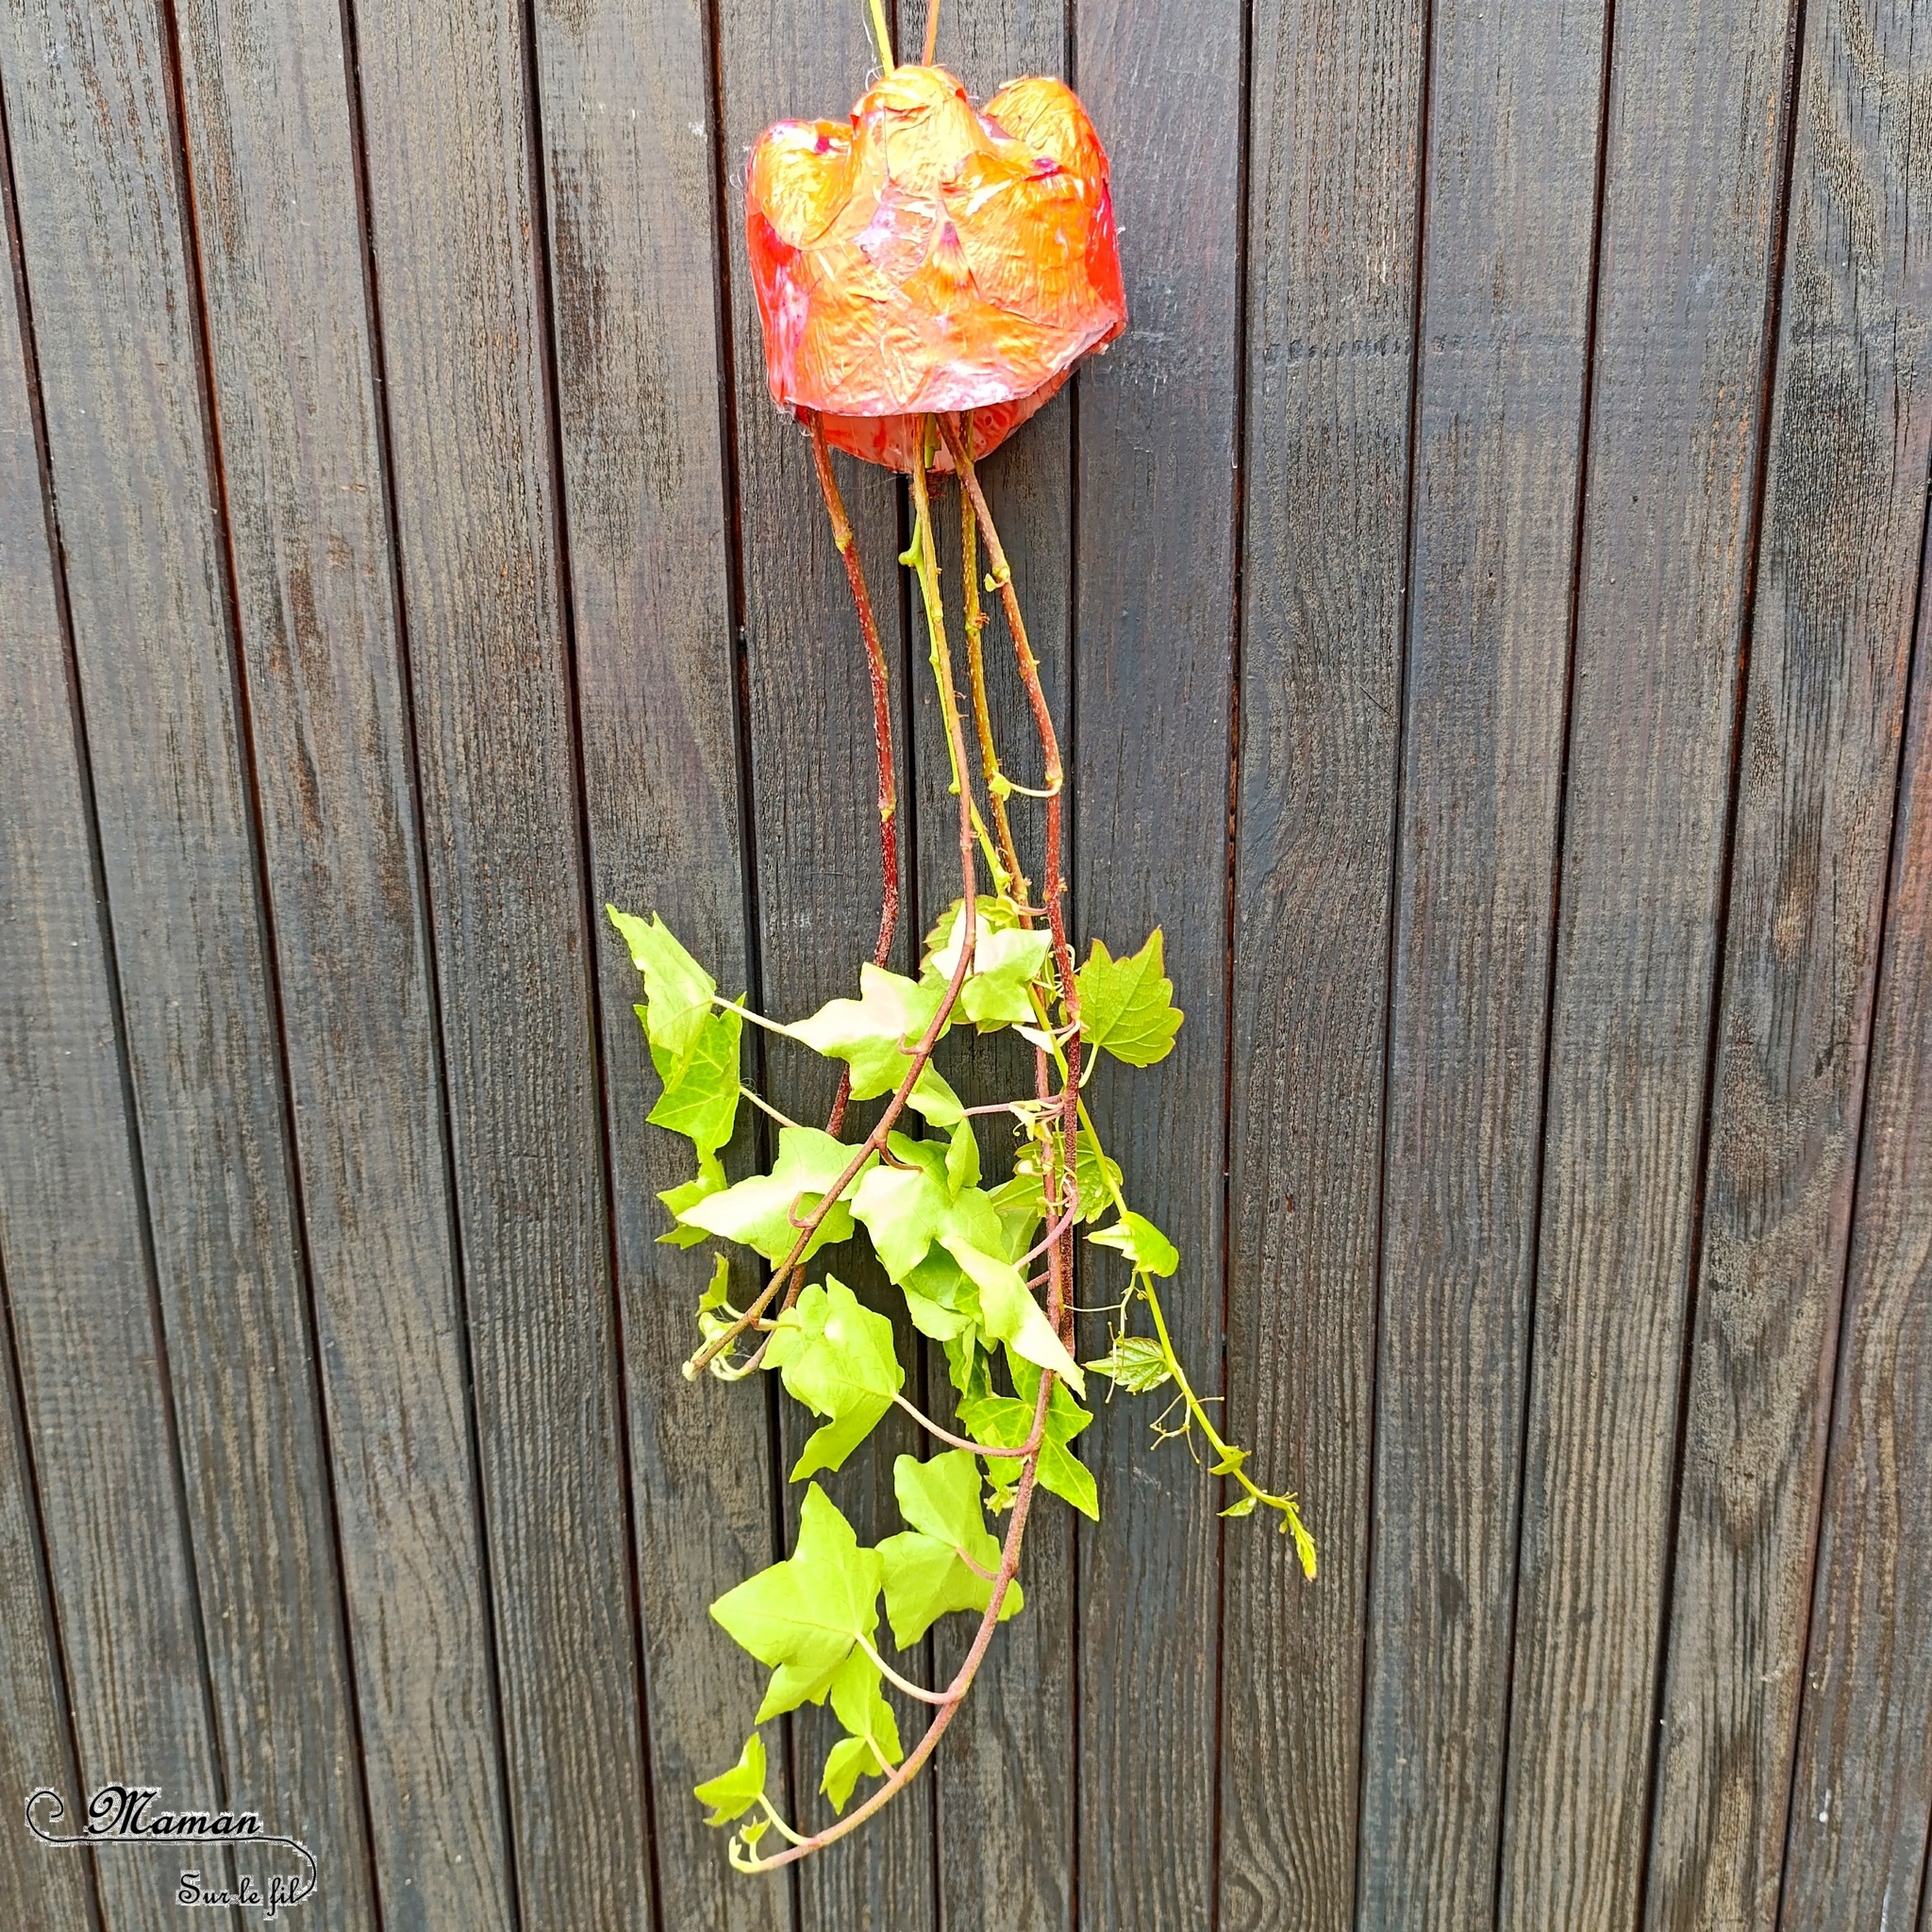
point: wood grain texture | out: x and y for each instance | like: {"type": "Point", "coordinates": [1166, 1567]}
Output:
{"type": "Point", "coordinates": [268, 128]}
{"type": "Point", "coordinates": [1149, 762]}
{"type": "Point", "coordinates": [1335, 124]}
{"type": "Point", "coordinates": [1824, 715]}
{"type": "Point", "coordinates": [455, 221]}
{"type": "Point", "coordinates": [1509, 205]}
{"type": "Point", "coordinates": [630, 166]}
{"type": "Point", "coordinates": [1004, 1800]}
{"type": "Point", "coordinates": [106, 250]}
{"type": "Point", "coordinates": [37, 1739]}
{"type": "Point", "coordinates": [1861, 1795]}
{"type": "Point", "coordinates": [815, 839]}
{"type": "Point", "coordinates": [1695, 146]}
{"type": "Point", "coordinates": [79, 1279]}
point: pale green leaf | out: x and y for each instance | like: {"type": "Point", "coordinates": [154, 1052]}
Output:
{"type": "Point", "coordinates": [875, 1033]}
{"type": "Point", "coordinates": [678, 991]}
{"type": "Point", "coordinates": [733, 1793]}
{"type": "Point", "coordinates": [941, 1302]}
{"type": "Point", "coordinates": [804, 1616]}
{"type": "Point", "coordinates": [1303, 1545]}
{"type": "Point", "coordinates": [1097, 1177]}
{"type": "Point", "coordinates": [902, 1209]}
{"type": "Point", "coordinates": [1007, 1421]}
{"type": "Point", "coordinates": [1136, 1364]}
{"type": "Point", "coordinates": [836, 1357]}
{"type": "Point", "coordinates": [962, 1158]}
{"type": "Point", "coordinates": [700, 1096]}
{"type": "Point", "coordinates": [1126, 1006]}
{"type": "Point", "coordinates": [935, 1099]}
{"type": "Point", "coordinates": [873, 1746]}
{"type": "Point", "coordinates": [759, 1212]}
{"type": "Point", "coordinates": [1142, 1242]}
{"type": "Point", "coordinates": [718, 1292]}
{"type": "Point", "coordinates": [710, 1180]}
{"type": "Point", "coordinates": [926, 1573]}
{"type": "Point", "coordinates": [1008, 1313]}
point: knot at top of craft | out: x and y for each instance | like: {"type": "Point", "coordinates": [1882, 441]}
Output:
{"type": "Point", "coordinates": [932, 255]}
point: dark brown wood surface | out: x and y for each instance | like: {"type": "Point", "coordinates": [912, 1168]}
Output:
{"type": "Point", "coordinates": [1479, 596]}
{"type": "Point", "coordinates": [231, 1411]}
{"type": "Point", "coordinates": [1508, 207]}
{"type": "Point", "coordinates": [1694, 145]}
{"type": "Point", "coordinates": [37, 1737]}
{"type": "Point", "coordinates": [1154, 640]}
{"type": "Point", "coordinates": [1335, 114]}
{"type": "Point", "coordinates": [268, 124]}
{"type": "Point", "coordinates": [630, 151]}
{"type": "Point", "coordinates": [458, 245]}
{"type": "Point", "coordinates": [1830, 634]}
{"type": "Point", "coordinates": [1861, 1796]}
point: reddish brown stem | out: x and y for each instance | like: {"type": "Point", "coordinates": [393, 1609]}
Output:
{"type": "Point", "coordinates": [1055, 885]}
{"type": "Point", "coordinates": [881, 722]}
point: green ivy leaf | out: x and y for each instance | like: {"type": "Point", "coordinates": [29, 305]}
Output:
{"type": "Point", "coordinates": [902, 1208]}
{"type": "Point", "coordinates": [1136, 1364]}
{"type": "Point", "coordinates": [678, 991]}
{"type": "Point", "coordinates": [1008, 1313]}
{"type": "Point", "coordinates": [710, 1180]}
{"type": "Point", "coordinates": [1303, 1545]}
{"type": "Point", "coordinates": [1006, 958]}
{"type": "Point", "coordinates": [1097, 1177]}
{"type": "Point", "coordinates": [758, 1211]}
{"type": "Point", "coordinates": [1007, 1421]}
{"type": "Point", "coordinates": [804, 1616]}
{"type": "Point", "coordinates": [733, 1793]}
{"type": "Point", "coordinates": [700, 1096]}
{"type": "Point", "coordinates": [718, 1292]}
{"type": "Point", "coordinates": [873, 1034]}
{"type": "Point", "coordinates": [1142, 1242]}
{"type": "Point", "coordinates": [962, 1158]}
{"type": "Point", "coordinates": [926, 1571]}
{"type": "Point", "coordinates": [873, 1747]}
{"type": "Point", "coordinates": [941, 1302]}
{"type": "Point", "coordinates": [836, 1357]}
{"type": "Point", "coordinates": [1126, 1006]}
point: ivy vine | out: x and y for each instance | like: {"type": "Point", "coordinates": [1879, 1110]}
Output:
{"type": "Point", "coordinates": [986, 1270]}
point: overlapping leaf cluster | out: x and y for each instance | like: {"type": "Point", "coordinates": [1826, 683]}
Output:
{"type": "Point", "coordinates": [957, 1249]}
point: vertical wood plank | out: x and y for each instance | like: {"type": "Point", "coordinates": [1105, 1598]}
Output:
{"type": "Point", "coordinates": [1005, 1792]}
{"type": "Point", "coordinates": [1154, 561]}
{"type": "Point", "coordinates": [1694, 151]}
{"type": "Point", "coordinates": [1850, 433]}
{"type": "Point", "coordinates": [102, 234]}
{"type": "Point", "coordinates": [455, 221]}
{"type": "Point", "coordinates": [38, 1886]}
{"type": "Point", "coordinates": [1510, 202]}
{"type": "Point", "coordinates": [1861, 1796]}
{"type": "Point", "coordinates": [629, 161]}
{"type": "Point", "coordinates": [37, 1741]}
{"type": "Point", "coordinates": [1335, 122]}
{"type": "Point", "coordinates": [270, 145]}
{"type": "Point", "coordinates": [815, 831]}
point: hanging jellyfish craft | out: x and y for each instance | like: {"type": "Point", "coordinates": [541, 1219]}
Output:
{"type": "Point", "coordinates": [928, 275]}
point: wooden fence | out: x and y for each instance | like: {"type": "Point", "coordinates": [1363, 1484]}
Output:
{"type": "Point", "coordinates": [1480, 593]}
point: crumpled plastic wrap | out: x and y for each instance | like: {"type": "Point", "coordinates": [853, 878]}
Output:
{"type": "Point", "coordinates": [932, 257]}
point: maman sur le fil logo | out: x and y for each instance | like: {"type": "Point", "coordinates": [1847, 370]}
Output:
{"type": "Point", "coordinates": [133, 1815]}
